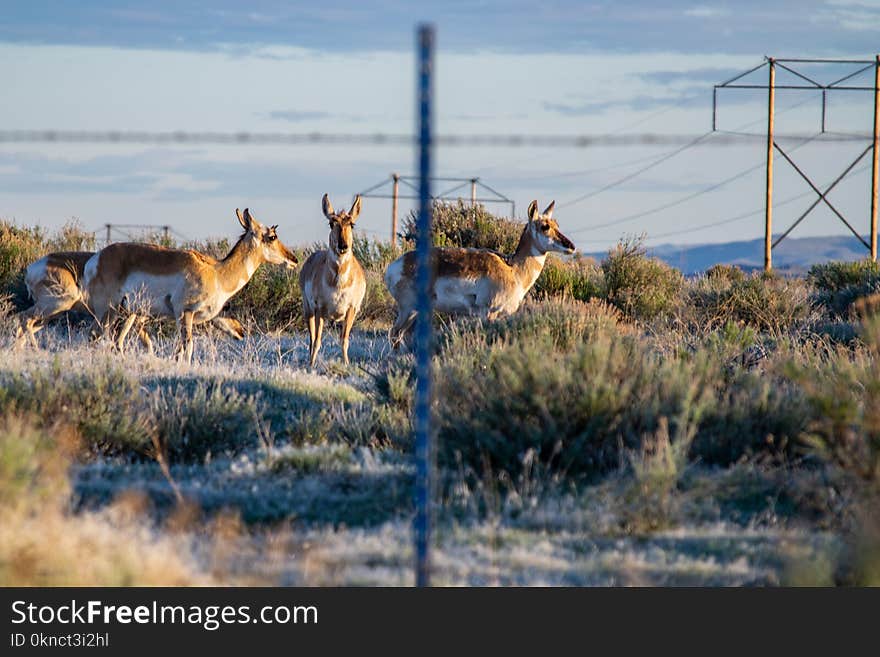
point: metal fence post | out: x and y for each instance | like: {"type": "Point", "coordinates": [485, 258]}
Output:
{"type": "Point", "coordinates": [396, 192]}
{"type": "Point", "coordinates": [423, 339]}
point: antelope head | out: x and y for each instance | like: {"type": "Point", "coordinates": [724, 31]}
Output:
{"type": "Point", "coordinates": [545, 231]}
{"type": "Point", "coordinates": [264, 239]}
{"type": "Point", "coordinates": [341, 224]}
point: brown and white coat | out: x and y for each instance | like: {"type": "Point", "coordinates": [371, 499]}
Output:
{"type": "Point", "coordinates": [332, 281]}
{"type": "Point", "coordinates": [186, 285]}
{"type": "Point", "coordinates": [478, 282]}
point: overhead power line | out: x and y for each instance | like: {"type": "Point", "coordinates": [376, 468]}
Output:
{"type": "Point", "coordinates": [746, 215]}
{"type": "Point", "coordinates": [635, 173]}
{"type": "Point", "coordinates": [687, 197]}
{"type": "Point", "coordinates": [666, 156]}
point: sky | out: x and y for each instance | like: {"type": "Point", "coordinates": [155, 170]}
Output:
{"type": "Point", "coordinates": [550, 68]}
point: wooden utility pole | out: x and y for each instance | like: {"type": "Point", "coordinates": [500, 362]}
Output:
{"type": "Point", "coordinates": [396, 178]}
{"type": "Point", "coordinates": [768, 216]}
{"type": "Point", "coordinates": [875, 169]}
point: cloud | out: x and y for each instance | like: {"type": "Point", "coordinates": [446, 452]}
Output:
{"type": "Point", "coordinates": [562, 26]}
{"type": "Point", "coordinates": [703, 11]}
{"type": "Point", "coordinates": [853, 16]}
{"type": "Point", "coordinates": [170, 175]}
{"type": "Point", "coordinates": [639, 103]}
{"type": "Point", "coordinates": [708, 75]}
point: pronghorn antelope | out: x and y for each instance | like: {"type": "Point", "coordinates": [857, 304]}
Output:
{"type": "Point", "coordinates": [332, 281]}
{"type": "Point", "coordinates": [53, 283]}
{"type": "Point", "coordinates": [478, 281]}
{"type": "Point", "coordinates": [186, 285]}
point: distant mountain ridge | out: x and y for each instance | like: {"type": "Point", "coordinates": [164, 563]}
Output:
{"type": "Point", "coordinates": [793, 254]}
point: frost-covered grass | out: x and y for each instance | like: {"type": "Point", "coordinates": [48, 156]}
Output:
{"type": "Point", "coordinates": [277, 475]}
{"type": "Point", "coordinates": [626, 426]}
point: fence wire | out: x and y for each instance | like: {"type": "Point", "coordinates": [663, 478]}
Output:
{"type": "Point", "coordinates": [51, 136]}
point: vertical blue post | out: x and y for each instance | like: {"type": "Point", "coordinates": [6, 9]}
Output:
{"type": "Point", "coordinates": [425, 308]}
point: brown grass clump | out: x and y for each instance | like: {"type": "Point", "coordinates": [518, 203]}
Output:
{"type": "Point", "coordinates": [43, 544]}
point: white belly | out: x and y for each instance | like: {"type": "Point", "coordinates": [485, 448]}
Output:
{"type": "Point", "coordinates": [152, 293]}
{"type": "Point", "coordinates": [461, 296]}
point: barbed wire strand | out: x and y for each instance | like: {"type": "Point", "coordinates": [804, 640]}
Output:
{"type": "Point", "coordinates": [671, 154]}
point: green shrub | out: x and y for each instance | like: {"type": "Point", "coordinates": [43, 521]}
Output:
{"type": "Point", "coordinates": [18, 248]}
{"type": "Point", "coordinates": [72, 236]}
{"type": "Point", "coordinates": [576, 278]}
{"type": "Point", "coordinates": [196, 419]}
{"type": "Point", "coordinates": [839, 285]}
{"type": "Point", "coordinates": [641, 287]}
{"type": "Point", "coordinates": [578, 390]}
{"type": "Point", "coordinates": [271, 300]}
{"type": "Point", "coordinates": [573, 409]}
{"type": "Point", "coordinates": [729, 273]}
{"type": "Point", "coordinates": [766, 304]}
{"type": "Point", "coordinates": [649, 499]}
{"type": "Point", "coordinates": [843, 390]}
{"type": "Point", "coordinates": [29, 458]}
{"type": "Point", "coordinates": [103, 405]}
{"type": "Point", "coordinates": [836, 276]}
{"type": "Point", "coordinates": [459, 224]}
{"type": "Point", "coordinates": [379, 306]}
{"type": "Point", "coordinates": [374, 255]}
{"type": "Point", "coordinates": [563, 323]}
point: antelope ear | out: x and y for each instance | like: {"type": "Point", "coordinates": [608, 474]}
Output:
{"type": "Point", "coordinates": [326, 206]}
{"type": "Point", "coordinates": [549, 211]}
{"type": "Point", "coordinates": [243, 220]}
{"type": "Point", "coordinates": [252, 224]}
{"type": "Point", "coordinates": [533, 210]}
{"type": "Point", "coordinates": [355, 208]}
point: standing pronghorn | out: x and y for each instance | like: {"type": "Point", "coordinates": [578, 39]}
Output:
{"type": "Point", "coordinates": [189, 286]}
{"type": "Point", "coordinates": [478, 281]}
{"type": "Point", "coordinates": [332, 281]}
{"type": "Point", "coordinates": [53, 283]}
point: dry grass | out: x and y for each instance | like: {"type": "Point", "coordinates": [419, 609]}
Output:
{"type": "Point", "coordinates": [43, 544]}
{"type": "Point", "coordinates": [626, 426]}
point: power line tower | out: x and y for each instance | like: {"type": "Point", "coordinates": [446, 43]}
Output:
{"type": "Point", "coordinates": [476, 185]}
{"type": "Point", "coordinates": [808, 83]}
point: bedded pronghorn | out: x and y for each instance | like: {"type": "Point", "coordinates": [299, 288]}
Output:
{"type": "Point", "coordinates": [478, 281]}
{"type": "Point", "coordinates": [332, 281]}
{"type": "Point", "coordinates": [186, 285]}
{"type": "Point", "coordinates": [53, 283]}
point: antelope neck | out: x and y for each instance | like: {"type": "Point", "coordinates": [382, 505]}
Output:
{"type": "Point", "coordinates": [528, 260]}
{"type": "Point", "coordinates": [339, 263]}
{"type": "Point", "coordinates": [236, 269]}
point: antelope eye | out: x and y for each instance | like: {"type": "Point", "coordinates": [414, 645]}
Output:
{"type": "Point", "coordinates": [545, 227]}
{"type": "Point", "coordinates": [271, 238]}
